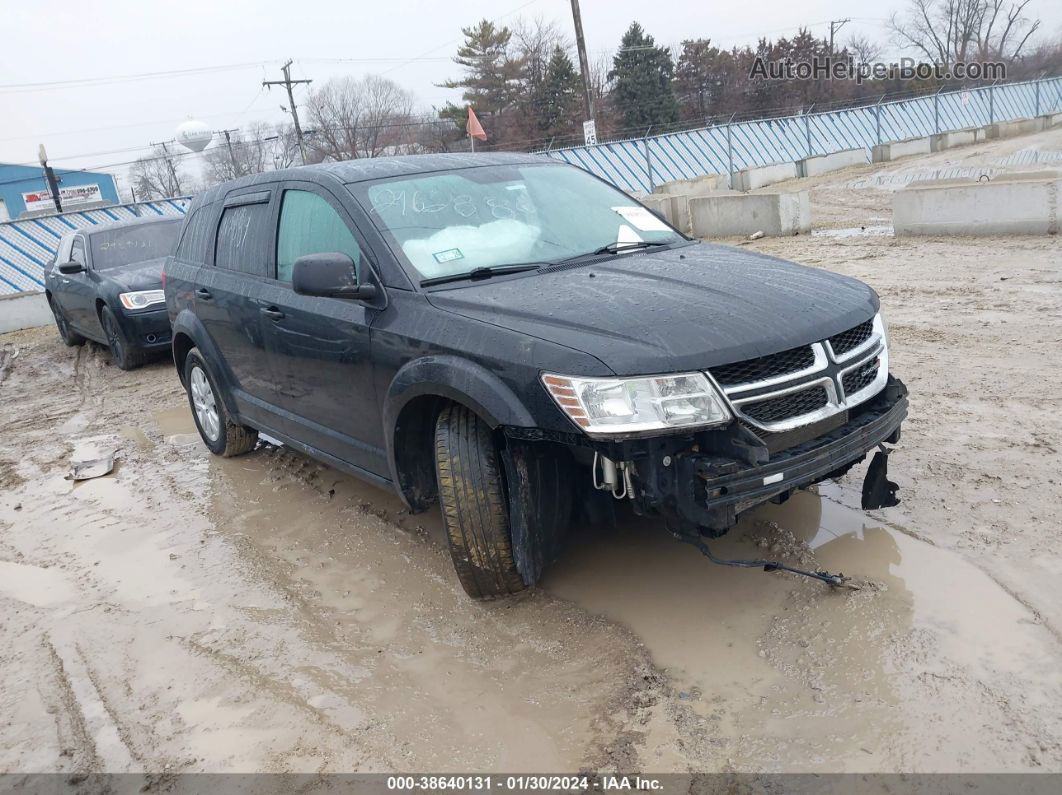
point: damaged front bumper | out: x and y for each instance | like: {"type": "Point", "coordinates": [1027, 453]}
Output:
{"type": "Point", "coordinates": [705, 486]}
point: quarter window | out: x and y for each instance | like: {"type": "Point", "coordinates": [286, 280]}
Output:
{"type": "Point", "coordinates": [77, 253]}
{"type": "Point", "coordinates": [310, 225]}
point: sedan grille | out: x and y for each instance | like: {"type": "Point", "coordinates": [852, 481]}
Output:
{"type": "Point", "coordinates": [787, 406]}
{"type": "Point", "coordinates": [850, 340]}
{"type": "Point", "coordinates": [760, 369]}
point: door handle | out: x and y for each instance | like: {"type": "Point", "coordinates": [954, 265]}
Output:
{"type": "Point", "coordinates": [272, 313]}
{"type": "Point", "coordinates": [204, 293]}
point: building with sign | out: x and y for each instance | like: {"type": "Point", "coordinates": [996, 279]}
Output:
{"type": "Point", "coordinates": [24, 191]}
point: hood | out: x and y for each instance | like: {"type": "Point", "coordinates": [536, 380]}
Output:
{"type": "Point", "coordinates": [145, 275]}
{"type": "Point", "coordinates": [687, 308]}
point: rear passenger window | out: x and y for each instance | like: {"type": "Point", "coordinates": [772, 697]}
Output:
{"type": "Point", "coordinates": [241, 241]}
{"type": "Point", "coordinates": [310, 225]}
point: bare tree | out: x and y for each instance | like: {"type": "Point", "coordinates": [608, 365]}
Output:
{"type": "Point", "coordinates": [949, 31]}
{"type": "Point", "coordinates": [864, 49]}
{"type": "Point", "coordinates": [261, 147]}
{"type": "Point", "coordinates": [158, 176]}
{"type": "Point", "coordinates": [354, 118]}
{"type": "Point", "coordinates": [535, 40]}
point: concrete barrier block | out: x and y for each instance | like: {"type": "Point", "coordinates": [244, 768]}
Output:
{"type": "Point", "coordinates": [953, 138]}
{"type": "Point", "coordinates": [883, 153]}
{"type": "Point", "coordinates": [1020, 204]}
{"type": "Point", "coordinates": [1009, 129]}
{"type": "Point", "coordinates": [674, 209]}
{"type": "Point", "coordinates": [1049, 120]}
{"type": "Point", "coordinates": [734, 214]}
{"type": "Point", "coordinates": [835, 161]}
{"type": "Point", "coordinates": [24, 310]}
{"type": "Point", "coordinates": [698, 186]}
{"type": "Point", "coordinates": [752, 178]}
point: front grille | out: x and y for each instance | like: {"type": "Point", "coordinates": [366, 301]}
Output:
{"type": "Point", "coordinates": [784, 407]}
{"type": "Point", "coordinates": [850, 340]}
{"type": "Point", "coordinates": [861, 377]}
{"type": "Point", "coordinates": [791, 361]}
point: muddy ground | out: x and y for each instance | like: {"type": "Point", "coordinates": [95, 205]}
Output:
{"type": "Point", "coordinates": [267, 613]}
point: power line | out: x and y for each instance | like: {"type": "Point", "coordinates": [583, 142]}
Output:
{"type": "Point", "coordinates": [15, 88]}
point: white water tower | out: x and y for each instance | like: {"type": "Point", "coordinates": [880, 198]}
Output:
{"type": "Point", "coordinates": [194, 135]}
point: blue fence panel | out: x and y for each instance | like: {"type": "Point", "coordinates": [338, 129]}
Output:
{"type": "Point", "coordinates": [639, 165]}
{"type": "Point", "coordinates": [27, 244]}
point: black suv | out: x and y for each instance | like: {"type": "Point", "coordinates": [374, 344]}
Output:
{"type": "Point", "coordinates": [518, 339]}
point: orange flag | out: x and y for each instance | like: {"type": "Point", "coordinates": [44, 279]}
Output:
{"type": "Point", "coordinates": [474, 128]}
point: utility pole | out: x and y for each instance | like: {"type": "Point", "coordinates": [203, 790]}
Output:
{"type": "Point", "coordinates": [236, 170]}
{"type": "Point", "coordinates": [49, 177]}
{"type": "Point", "coordinates": [169, 162]}
{"type": "Point", "coordinates": [835, 26]}
{"type": "Point", "coordinates": [287, 82]}
{"type": "Point", "coordinates": [584, 67]}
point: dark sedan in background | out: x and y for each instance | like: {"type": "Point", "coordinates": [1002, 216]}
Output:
{"type": "Point", "coordinates": [105, 285]}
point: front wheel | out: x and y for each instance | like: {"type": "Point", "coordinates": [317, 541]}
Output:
{"type": "Point", "coordinates": [124, 355]}
{"type": "Point", "coordinates": [68, 335]}
{"type": "Point", "coordinates": [475, 510]}
{"type": "Point", "coordinates": [220, 434]}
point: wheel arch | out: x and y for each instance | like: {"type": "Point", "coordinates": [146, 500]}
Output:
{"type": "Point", "coordinates": [416, 396]}
{"type": "Point", "coordinates": [187, 332]}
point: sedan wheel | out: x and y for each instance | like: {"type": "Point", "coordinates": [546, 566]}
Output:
{"type": "Point", "coordinates": [206, 405]}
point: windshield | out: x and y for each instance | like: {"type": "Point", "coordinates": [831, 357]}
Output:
{"type": "Point", "coordinates": [113, 248]}
{"type": "Point", "coordinates": [452, 222]}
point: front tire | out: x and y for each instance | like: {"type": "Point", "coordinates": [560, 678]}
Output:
{"type": "Point", "coordinates": [70, 337]}
{"type": "Point", "coordinates": [124, 355]}
{"type": "Point", "coordinates": [220, 434]}
{"type": "Point", "coordinates": [472, 494]}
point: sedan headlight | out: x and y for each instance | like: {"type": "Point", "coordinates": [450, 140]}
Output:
{"type": "Point", "coordinates": [634, 405]}
{"type": "Point", "coordinates": [142, 299]}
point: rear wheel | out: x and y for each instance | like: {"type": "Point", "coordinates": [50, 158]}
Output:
{"type": "Point", "coordinates": [475, 510]}
{"type": "Point", "coordinates": [219, 432]}
{"type": "Point", "coordinates": [68, 335]}
{"type": "Point", "coordinates": [124, 355]}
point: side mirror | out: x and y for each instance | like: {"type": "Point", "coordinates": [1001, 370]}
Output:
{"type": "Point", "coordinates": [329, 275]}
{"type": "Point", "coordinates": [71, 267]}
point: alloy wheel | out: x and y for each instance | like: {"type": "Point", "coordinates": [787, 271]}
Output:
{"type": "Point", "coordinates": [206, 407]}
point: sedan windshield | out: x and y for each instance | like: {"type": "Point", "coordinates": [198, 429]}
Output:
{"type": "Point", "coordinates": [454, 222]}
{"type": "Point", "coordinates": [113, 248]}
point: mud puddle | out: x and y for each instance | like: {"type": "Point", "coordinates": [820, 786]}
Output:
{"type": "Point", "coordinates": [812, 678]}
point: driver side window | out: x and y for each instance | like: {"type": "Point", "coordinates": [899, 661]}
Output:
{"type": "Point", "coordinates": [310, 225]}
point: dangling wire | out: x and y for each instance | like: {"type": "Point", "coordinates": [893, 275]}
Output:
{"type": "Point", "coordinates": [833, 580]}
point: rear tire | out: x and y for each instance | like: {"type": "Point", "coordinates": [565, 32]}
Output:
{"type": "Point", "coordinates": [219, 432]}
{"type": "Point", "coordinates": [475, 508]}
{"type": "Point", "coordinates": [124, 355]}
{"type": "Point", "coordinates": [66, 334]}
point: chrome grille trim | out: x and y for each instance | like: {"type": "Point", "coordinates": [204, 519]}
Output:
{"type": "Point", "coordinates": [825, 359]}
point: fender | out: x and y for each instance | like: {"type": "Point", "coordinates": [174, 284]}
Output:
{"type": "Point", "coordinates": [457, 379]}
{"type": "Point", "coordinates": [188, 324]}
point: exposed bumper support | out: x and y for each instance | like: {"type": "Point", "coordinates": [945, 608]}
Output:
{"type": "Point", "coordinates": [711, 490]}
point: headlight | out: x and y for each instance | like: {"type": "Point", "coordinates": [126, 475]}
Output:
{"type": "Point", "coordinates": [142, 299]}
{"type": "Point", "coordinates": [633, 405]}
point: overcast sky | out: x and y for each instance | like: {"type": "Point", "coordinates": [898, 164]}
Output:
{"type": "Point", "coordinates": [108, 123]}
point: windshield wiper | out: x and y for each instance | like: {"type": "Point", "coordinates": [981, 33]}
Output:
{"type": "Point", "coordinates": [480, 273]}
{"type": "Point", "coordinates": [617, 247]}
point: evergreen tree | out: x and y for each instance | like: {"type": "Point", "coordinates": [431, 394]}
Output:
{"type": "Point", "coordinates": [641, 81]}
{"type": "Point", "coordinates": [556, 100]}
{"type": "Point", "coordinates": [492, 74]}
